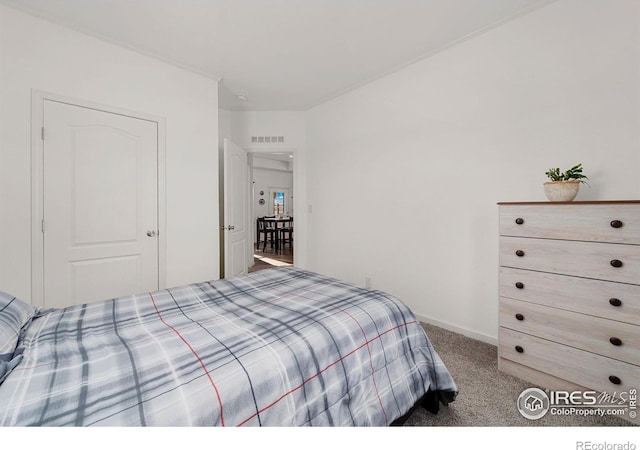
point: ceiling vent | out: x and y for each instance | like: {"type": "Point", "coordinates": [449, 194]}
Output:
{"type": "Point", "coordinates": [267, 139]}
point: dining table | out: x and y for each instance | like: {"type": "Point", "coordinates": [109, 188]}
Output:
{"type": "Point", "coordinates": [278, 223]}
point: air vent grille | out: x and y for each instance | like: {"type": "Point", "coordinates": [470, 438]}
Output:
{"type": "Point", "coordinates": [267, 139]}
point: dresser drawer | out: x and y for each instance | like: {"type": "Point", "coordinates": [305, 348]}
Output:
{"type": "Point", "coordinates": [574, 365]}
{"type": "Point", "coordinates": [594, 334]}
{"type": "Point", "coordinates": [615, 301]}
{"type": "Point", "coordinates": [583, 259]}
{"type": "Point", "coordinates": [618, 223]}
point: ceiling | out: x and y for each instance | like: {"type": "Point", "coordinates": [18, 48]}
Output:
{"type": "Point", "coordinates": [282, 54]}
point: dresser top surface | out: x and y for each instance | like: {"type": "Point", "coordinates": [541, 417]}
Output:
{"type": "Point", "coordinates": [588, 202]}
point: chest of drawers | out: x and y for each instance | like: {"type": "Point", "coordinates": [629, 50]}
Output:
{"type": "Point", "coordinates": [569, 286]}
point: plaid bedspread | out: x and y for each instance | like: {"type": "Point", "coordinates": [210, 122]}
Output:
{"type": "Point", "coordinates": [279, 347]}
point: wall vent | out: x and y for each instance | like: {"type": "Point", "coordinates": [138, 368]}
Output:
{"type": "Point", "coordinates": [267, 139]}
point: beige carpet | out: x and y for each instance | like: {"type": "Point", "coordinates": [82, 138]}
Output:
{"type": "Point", "coordinates": [487, 397]}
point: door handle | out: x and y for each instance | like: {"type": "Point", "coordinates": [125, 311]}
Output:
{"type": "Point", "coordinates": [229, 227]}
{"type": "Point", "coordinates": [151, 233]}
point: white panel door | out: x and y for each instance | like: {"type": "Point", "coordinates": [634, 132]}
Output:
{"type": "Point", "coordinates": [236, 207]}
{"type": "Point", "coordinates": [100, 205]}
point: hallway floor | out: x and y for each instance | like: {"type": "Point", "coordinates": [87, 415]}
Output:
{"type": "Point", "coordinates": [270, 258]}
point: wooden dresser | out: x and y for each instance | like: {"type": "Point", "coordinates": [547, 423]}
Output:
{"type": "Point", "coordinates": [569, 286]}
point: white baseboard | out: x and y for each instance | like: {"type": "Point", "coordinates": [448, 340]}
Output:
{"type": "Point", "coordinates": [463, 331]}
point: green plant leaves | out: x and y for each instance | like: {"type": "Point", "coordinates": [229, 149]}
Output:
{"type": "Point", "coordinates": [574, 173]}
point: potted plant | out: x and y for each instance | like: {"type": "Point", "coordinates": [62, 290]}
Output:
{"type": "Point", "coordinates": [564, 186]}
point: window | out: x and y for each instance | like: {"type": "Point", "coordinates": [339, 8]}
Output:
{"type": "Point", "coordinates": [278, 203]}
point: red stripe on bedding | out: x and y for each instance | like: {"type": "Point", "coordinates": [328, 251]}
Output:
{"type": "Point", "coordinates": [325, 369]}
{"type": "Point", "coordinates": [195, 354]}
{"type": "Point", "coordinates": [375, 385]}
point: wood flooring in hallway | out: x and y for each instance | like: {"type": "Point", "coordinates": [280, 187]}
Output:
{"type": "Point", "coordinates": [270, 258]}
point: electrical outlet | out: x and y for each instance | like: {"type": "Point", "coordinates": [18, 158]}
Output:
{"type": "Point", "coordinates": [367, 282]}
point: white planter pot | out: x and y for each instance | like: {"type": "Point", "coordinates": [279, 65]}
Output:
{"type": "Point", "coordinates": [561, 191]}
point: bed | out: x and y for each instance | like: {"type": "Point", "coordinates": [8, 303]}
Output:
{"type": "Point", "coordinates": [278, 347]}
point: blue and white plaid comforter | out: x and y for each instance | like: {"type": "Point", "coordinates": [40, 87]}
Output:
{"type": "Point", "coordinates": [280, 347]}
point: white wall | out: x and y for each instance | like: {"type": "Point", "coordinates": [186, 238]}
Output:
{"type": "Point", "coordinates": [224, 126]}
{"type": "Point", "coordinates": [289, 124]}
{"type": "Point", "coordinates": [35, 54]}
{"type": "Point", "coordinates": [404, 173]}
{"type": "Point", "coordinates": [265, 179]}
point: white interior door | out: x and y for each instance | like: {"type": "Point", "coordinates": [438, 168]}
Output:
{"type": "Point", "coordinates": [100, 207]}
{"type": "Point", "coordinates": [236, 207]}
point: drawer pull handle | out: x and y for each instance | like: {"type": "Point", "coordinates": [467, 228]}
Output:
{"type": "Point", "coordinates": [616, 224]}
{"type": "Point", "coordinates": [520, 285]}
{"type": "Point", "coordinates": [519, 349]}
{"type": "Point", "coordinates": [519, 253]}
{"type": "Point", "coordinates": [521, 317]}
{"type": "Point", "coordinates": [520, 221]}
{"type": "Point", "coordinates": [616, 263]}
{"type": "Point", "coordinates": [615, 302]}
{"type": "Point", "coordinates": [614, 379]}
{"type": "Point", "coordinates": [615, 341]}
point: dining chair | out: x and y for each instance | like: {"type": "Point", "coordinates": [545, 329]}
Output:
{"type": "Point", "coordinates": [266, 233]}
{"type": "Point", "coordinates": [286, 233]}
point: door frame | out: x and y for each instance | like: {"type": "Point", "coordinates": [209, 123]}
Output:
{"type": "Point", "coordinates": [299, 248]}
{"type": "Point", "coordinates": [38, 98]}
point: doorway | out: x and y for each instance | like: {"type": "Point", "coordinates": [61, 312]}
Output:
{"type": "Point", "coordinates": [272, 181]}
